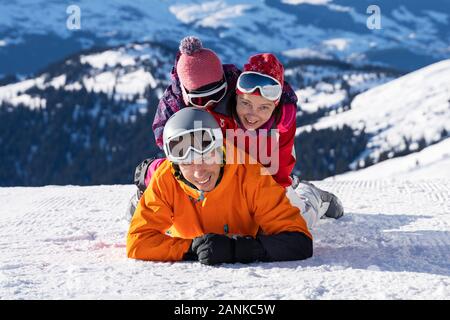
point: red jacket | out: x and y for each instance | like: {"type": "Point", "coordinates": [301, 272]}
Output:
{"type": "Point", "coordinates": [286, 129]}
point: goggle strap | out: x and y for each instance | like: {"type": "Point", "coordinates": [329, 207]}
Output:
{"type": "Point", "coordinates": [207, 93]}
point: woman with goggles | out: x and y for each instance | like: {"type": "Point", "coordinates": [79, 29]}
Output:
{"type": "Point", "coordinates": [260, 105]}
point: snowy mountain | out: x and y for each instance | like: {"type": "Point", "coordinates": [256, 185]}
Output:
{"type": "Point", "coordinates": [433, 162]}
{"type": "Point", "coordinates": [399, 117]}
{"type": "Point", "coordinates": [88, 117]}
{"type": "Point", "coordinates": [413, 33]}
{"type": "Point", "coordinates": [84, 120]}
{"type": "Point", "coordinates": [123, 73]}
{"type": "Point", "coordinates": [69, 243]}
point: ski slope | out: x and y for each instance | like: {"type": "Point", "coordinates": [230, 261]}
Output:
{"type": "Point", "coordinates": [69, 243]}
{"type": "Point", "coordinates": [431, 162]}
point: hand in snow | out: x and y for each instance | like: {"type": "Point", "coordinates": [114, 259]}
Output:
{"type": "Point", "coordinates": [214, 249]}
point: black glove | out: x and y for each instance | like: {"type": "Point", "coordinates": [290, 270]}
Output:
{"type": "Point", "coordinates": [247, 249]}
{"type": "Point", "coordinates": [213, 249]}
{"type": "Point", "coordinates": [190, 255]}
{"type": "Point", "coordinates": [216, 248]}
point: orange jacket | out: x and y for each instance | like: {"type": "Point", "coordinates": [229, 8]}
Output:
{"type": "Point", "coordinates": [243, 203]}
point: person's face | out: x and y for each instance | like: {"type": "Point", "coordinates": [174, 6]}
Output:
{"type": "Point", "coordinates": [253, 110]}
{"type": "Point", "coordinates": [203, 174]}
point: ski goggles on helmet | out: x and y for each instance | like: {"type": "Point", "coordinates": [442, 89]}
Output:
{"type": "Point", "coordinates": [205, 98]}
{"type": "Point", "coordinates": [270, 88]}
{"type": "Point", "coordinates": [190, 145]}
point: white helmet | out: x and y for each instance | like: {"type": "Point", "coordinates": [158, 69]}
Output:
{"type": "Point", "coordinates": [189, 134]}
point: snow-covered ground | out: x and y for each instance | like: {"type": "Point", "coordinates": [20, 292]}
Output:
{"type": "Point", "coordinates": [69, 242]}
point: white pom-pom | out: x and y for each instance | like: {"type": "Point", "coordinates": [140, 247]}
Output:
{"type": "Point", "coordinates": [190, 45]}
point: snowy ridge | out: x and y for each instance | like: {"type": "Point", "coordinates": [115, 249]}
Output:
{"type": "Point", "coordinates": [108, 58]}
{"type": "Point", "coordinates": [433, 162]}
{"type": "Point", "coordinates": [330, 87]}
{"type": "Point", "coordinates": [69, 242]}
{"type": "Point", "coordinates": [401, 114]}
{"type": "Point", "coordinates": [126, 71]}
{"type": "Point", "coordinates": [14, 93]}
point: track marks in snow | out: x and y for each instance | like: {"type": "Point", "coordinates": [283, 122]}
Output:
{"type": "Point", "coordinates": [89, 236]}
{"type": "Point", "coordinates": [69, 242]}
{"type": "Point", "coordinates": [388, 225]}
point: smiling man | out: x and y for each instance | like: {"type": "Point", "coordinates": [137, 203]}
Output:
{"type": "Point", "coordinates": [200, 207]}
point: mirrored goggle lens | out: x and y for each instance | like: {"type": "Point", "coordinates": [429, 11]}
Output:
{"type": "Point", "coordinates": [271, 92]}
{"type": "Point", "coordinates": [203, 101]}
{"type": "Point", "coordinates": [249, 82]}
{"type": "Point", "coordinates": [199, 141]}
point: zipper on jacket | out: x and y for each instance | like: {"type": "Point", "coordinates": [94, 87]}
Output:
{"type": "Point", "coordinates": [201, 196]}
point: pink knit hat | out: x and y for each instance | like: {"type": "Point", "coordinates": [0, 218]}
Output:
{"type": "Point", "coordinates": [197, 66]}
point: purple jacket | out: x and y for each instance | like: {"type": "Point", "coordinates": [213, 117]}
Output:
{"type": "Point", "coordinates": [172, 99]}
